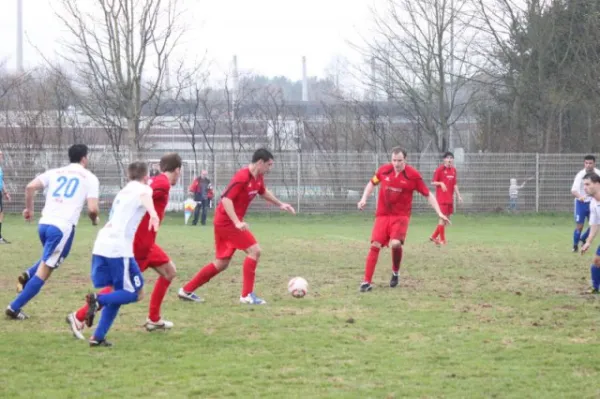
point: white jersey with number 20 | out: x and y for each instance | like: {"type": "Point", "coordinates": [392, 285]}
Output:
{"type": "Point", "coordinates": [67, 190]}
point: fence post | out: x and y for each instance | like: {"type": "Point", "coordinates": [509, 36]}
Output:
{"type": "Point", "coordinates": [537, 182]}
{"type": "Point", "coordinates": [377, 186]}
{"type": "Point", "coordinates": [298, 181]}
{"type": "Point", "coordinates": [214, 154]}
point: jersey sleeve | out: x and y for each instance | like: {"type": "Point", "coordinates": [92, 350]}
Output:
{"type": "Point", "coordinates": [594, 213]}
{"type": "Point", "coordinates": [263, 188]}
{"type": "Point", "coordinates": [437, 175]}
{"type": "Point", "coordinates": [377, 177]}
{"type": "Point", "coordinates": [160, 189]}
{"type": "Point", "coordinates": [235, 187]}
{"type": "Point", "coordinates": [94, 187]}
{"type": "Point", "coordinates": [421, 186]}
{"type": "Point", "coordinates": [577, 181]}
{"type": "Point", "coordinates": [45, 178]}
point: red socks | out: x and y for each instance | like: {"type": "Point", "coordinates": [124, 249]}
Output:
{"type": "Point", "coordinates": [201, 278]}
{"type": "Point", "coordinates": [442, 232]}
{"type": "Point", "coordinates": [80, 314]}
{"type": "Point", "coordinates": [396, 259]}
{"type": "Point", "coordinates": [158, 294]}
{"type": "Point", "coordinates": [371, 263]}
{"type": "Point", "coordinates": [249, 275]}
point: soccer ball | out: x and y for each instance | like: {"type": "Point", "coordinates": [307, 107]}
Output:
{"type": "Point", "coordinates": [298, 287]}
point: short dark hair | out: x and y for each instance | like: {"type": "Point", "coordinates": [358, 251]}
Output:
{"type": "Point", "coordinates": [398, 150]}
{"type": "Point", "coordinates": [589, 158]}
{"type": "Point", "coordinates": [77, 152]}
{"type": "Point", "coordinates": [262, 154]}
{"type": "Point", "coordinates": [448, 154]}
{"type": "Point", "coordinates": [137, 170]}
{"type": "Point", "coordinates": [594, 178]}
{"type": "Point", "coordinates": [169, 162]}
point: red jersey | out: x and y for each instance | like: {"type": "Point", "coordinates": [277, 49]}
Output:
{"type": "Point", "coordinates": [144, 238]}
{"type": "Point", "coordinates": [396, 191]}
{"type": "Point", "coordinates": [241, 190]}
{"type": "Point", "coordinates": [448, 177]}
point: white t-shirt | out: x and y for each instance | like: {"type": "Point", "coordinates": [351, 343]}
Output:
{"type": "Point", "coordinates": [115, 239]}
{"type": "Point", "coordinates": [594, 212]}
{"type": "Point", "coordinates": [578, 183]}
{"type": "Point", "coordinates": [67, 189]}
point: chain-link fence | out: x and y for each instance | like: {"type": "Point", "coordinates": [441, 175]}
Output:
{"type": "Point", "coordinates": [331, 182]}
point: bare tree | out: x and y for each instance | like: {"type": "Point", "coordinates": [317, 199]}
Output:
{"type": "Point", "coordinates": [423, 59]}
{"type": "Point", "coordinates": [120, 50]}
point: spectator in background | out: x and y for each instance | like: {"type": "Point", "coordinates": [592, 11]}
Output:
{"type": "Point", "coordinates": [202, 191]}
{"type": "Point", "coordinates": [3, 193]}
{"type": "Point", "coordinates": [513, 194]}
{"type": "Point", "coordinates": [154, 171]}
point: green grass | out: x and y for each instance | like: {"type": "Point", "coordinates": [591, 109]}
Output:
{"type": "Point", "coordinates": [499, 312]}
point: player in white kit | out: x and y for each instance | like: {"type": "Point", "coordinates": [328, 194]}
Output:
{"type": "Point", "coordinates": [67, 189]}
{"type": "Point", "coordinates": [582, 201]}
{"type": "Point", "coordinates": [591, 183]}
{"type": "Point", "coordinates": [113, 263]}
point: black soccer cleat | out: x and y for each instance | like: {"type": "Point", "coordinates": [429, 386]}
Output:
{"type": "Point", "coordinates": [92, 302]}
{"type": "Point", "coordinates": [365, 287]}
{"type": "Point", "coordinates": [22, 281]}
{"type": "Point", "coordinates": [101, 342]}
{"type": "Point", "coordinates": [575, 248]}
{"type": "Point", "coordinates": [394, 280]}
{"type": "Point", "coordinates": [11, 314]}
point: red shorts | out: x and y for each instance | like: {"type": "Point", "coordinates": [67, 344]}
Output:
{"type": "Point", "coordinates": [156, 257]}
{"type": "Point", "coordinates": [388, 228]}
{"type": "Point", "coordinates": [447, 209]}
{"type": "Point", "coordinates": [228, 239]}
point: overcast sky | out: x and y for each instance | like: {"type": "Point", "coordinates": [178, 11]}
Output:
{"type": "Point", "coordinates": [268, 36]}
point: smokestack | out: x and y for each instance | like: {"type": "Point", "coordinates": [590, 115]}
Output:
{"type": "Point", "coordinates": [304, 80]}
{"type": "Point", "coordinates": [20, 35]}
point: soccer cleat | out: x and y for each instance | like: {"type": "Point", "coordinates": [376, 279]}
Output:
{"type": "Point", "coordinates": [11, 314]}
{"type": "Point", "coordinates": [436, 241]}
{"type": "Point", "coordinates": [575, 248]}
{"type": "Point", "coordinates": [102, 342]}
{"type": "Point", "coordinates": [158, 325]}
{"type": "Point", "coordinates": [189, 296]}
{"type": "Point", "coordinates": [394, 280]}
{"type": "Point", "coordinates": [22, 281]}
{"type": "Point", "coordinates": [252, 299]}
{"type": "Point", "coordinates": [442, 242]}
{"type": "Point", "coordinates": [365, 287]}
{"type": "Point", "coordinates": [592, 291]}
{"type": "Point", "coordinates": [93, 306]}
{"type": "Point", "coordinates": [4, 241]}
{"type": "Point", "coordinates": [76, 326]}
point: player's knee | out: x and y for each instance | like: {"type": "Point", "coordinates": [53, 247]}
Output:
{"type": "Point", "coordinates": [597, 261]}
{"type": "Point", "coordinates": [140, 295]}
{"type": "Point", "coordinates": [395, 244]}
{"type": "Point", "coordinates": [254, 251]}
{"type": "Point", "coordinates": [376, 244]}
{"type": "Point", "coordinates": [222, 264]}
{"type": "Point", "coordinates": [171, 271]}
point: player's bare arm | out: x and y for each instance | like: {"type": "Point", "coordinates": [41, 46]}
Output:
{"type": "Point", "coordinates": [149, 205]}
{"type": "Point", "coordinates": [440, 184]}
{"type": "Point", "coordinates": [366, 194]}
{"type": "Point", "coordinates": [577, 196]}
{"type": "Point", "coordinates": [230, 211]}
{"type": "Point", "coordinates": [30, 189]}
{"type": "Point", "coordinates": [590, 239]}
{"type": "Point", "coordinates": [457, 192]}
{"type": "Point", "coordinates": [93, 210]}
{"type": "Point", "coordinates": [436, 207]}
{"type": "Point", "coordinates": [270, 197]}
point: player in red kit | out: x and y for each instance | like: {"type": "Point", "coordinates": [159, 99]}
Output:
{"type": "Point", "coordinates": [446, 183]}
{"type": "Point", "coordinates": [147, 253]}
{"type": "Point", "coordinates": [397, 181]}
{"type": "Point", "coordinates": [232, 233]}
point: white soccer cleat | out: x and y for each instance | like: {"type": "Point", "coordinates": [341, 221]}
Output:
{"type": "Point", "coordinates": [189, 296]}
{"type": "Point", "coordinates": [252, 299]}
{"type": "Point", "coordinates": [158, 325]}
{"type": "Point", "coordinates": [76, 326]}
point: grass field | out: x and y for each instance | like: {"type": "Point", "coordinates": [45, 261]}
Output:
{"type": "Point", "coordinates": [499, 312]}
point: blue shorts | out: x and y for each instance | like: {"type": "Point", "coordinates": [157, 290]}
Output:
{"type": "Point", "coordinates": [57, 243]}
{"type": "Point", "coordinates": [119, 273]}
{"type": "Point", "coordinates": [598, 251]}
{"type": "Point", "coordinates": [582, 211]}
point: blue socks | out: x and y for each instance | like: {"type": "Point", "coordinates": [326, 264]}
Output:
{"type": "Point", "coordinates": [120, 297]}
{"type": "Point", "coordinates": [585, 235]}
{"type": "Point", "coordinates": [595, 271]}
{"type": "Point", "coordinates": [109, 314]}
{"type": "Point", "coordinates": [33, 287]}
{"type": "Point", "coordinates": [33, 269]}
{"type": "Point", "coordinates": [576, 237]}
